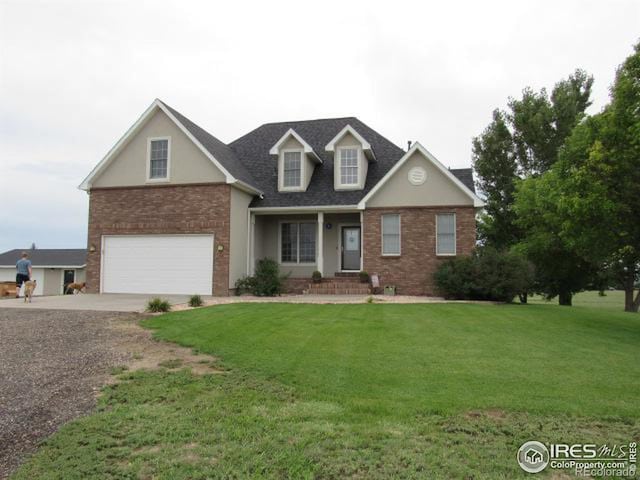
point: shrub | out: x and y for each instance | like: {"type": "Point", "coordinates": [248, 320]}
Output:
{"type": "Point", "coordinates": [195, 301]}
{"type": "Point", "coordinates": [364, 277]}
{"type": "Point", "coordinates": [245, 285]}
{"type": "Point", "coordinates": [158, 305]}
{"type": "Point", "coordinates": [316, 277]}
{"type": "Point", "coordinates": [267, 282]}
{"type": "Point", "coordinates": [485, 275]}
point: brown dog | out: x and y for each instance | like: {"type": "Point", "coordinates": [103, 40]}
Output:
{"type": "Point", "coordinates": [29, 287]}
{"type": "Point", "coordinates": [76, 287]}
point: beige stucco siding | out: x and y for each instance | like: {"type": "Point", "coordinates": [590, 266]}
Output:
{"type": "Point", "coordinates": [238, 235]}
{"type": "Point", "coordinates": [187, 163]}
{"type": "Point", "coordinates": [81, 275]}
{"type": "Point", "coordinates": [9, 275]}
{"type": "Point", "coordinates": [437, 190]}
{"type": "Point", "coordinates": [267, 238]}
{"type": "Point", "coordinates": [52, 281]}
{"type": "Point", "coordinates": [267, 242]}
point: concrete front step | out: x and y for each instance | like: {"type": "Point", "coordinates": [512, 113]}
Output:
{"type": "Point", "coordinates": [346, 274]}
{"type": "Point", "coordinates": [341, 280]}
{"type": "Point", "coordinates": [349, 285]}
{"type": "Point", "coordinates": [338, 288]}
{"type": "Point", "coordinates": [338, 291]}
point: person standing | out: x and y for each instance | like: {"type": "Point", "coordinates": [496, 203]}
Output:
{"type": "Point", "coordinates": [23, 266]}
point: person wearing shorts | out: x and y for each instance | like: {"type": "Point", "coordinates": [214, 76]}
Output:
{"type": "Point", "coordinates": [23, 267]}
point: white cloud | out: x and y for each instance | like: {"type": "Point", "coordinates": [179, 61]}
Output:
{"type": "Point", "coordinates": [75, 75]}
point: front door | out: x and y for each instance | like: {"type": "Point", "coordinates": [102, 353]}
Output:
{"type": "Point", "coordinates": [69, 276]}
{"type": "Point", "coordinates": [350, 248]}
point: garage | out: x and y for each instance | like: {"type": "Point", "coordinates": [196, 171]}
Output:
{"type": "Point", "coordinates": [157, 264]}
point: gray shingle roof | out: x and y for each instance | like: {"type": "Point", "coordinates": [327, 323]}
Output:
{"type": "Point", "coordinates": [45, 257]}
{"type": "Point", "coordinates": [215, 147]}
{"type": "Point", "coordinates": [248, 160]}
{"type": "Point", "coordinates": [253, 149]}
{"type": "Point", "coordinates": [465, 175]}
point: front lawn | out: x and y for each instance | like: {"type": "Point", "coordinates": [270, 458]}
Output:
{"type": "Point", "coordinates": [362, 391]}
{"type": "Point", "coordinates": [612, 300]}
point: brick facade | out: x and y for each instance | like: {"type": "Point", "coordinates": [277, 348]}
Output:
{"type": "Point", "coordinates": [297, 285]}
{"type": "Point", "coordinates": [412, 271]}
{"type": "Point", "coordinates": [161, 209]}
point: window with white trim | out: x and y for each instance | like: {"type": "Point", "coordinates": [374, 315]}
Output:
{"type": "Point", "coordinates": [446, 234]}
{"type": "Point", "coordinates": [291, 169]}
{"type": "Point", "coordinates": [298, 242]}
{"type": "Point", "coordinates": [158, 159]}
{"type": "Point", "coordinates": [391, 234]}
{"type": "Point", "coordinates": [348, 166]}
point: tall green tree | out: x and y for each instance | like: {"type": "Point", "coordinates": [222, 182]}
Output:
{"type": "Point", "coordinates": [521, 142]}
{"type": "Point", "coordinates": [560, 268]}
{"type": "Point", "coordinates": [496, 167]}
{"type": "Point", "coordinates": [599, 171]}
{"type": "Point", "coordinates": [541, 124]}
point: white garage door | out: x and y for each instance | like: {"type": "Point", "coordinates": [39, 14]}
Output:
{"type": "Point", "coordinates": [169, 264]}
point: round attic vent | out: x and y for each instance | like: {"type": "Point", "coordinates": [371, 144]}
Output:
{"type": "Point", "coordinates": [417, 176]}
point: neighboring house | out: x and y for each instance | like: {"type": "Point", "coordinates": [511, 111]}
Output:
{"type": "Point", "coordinates": [53, 268]}
{"type": "Point", "coordinates": [175, 210]}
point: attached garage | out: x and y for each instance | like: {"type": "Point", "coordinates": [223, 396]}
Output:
{"type": "Point", "coordinates": [157, 264]}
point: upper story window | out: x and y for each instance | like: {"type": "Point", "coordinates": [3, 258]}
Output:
{"type": "Point", "coordinates": [446, 234]}
{"type": "Point", "coordinates": [348, 166]}
{"type": "Point", "coordinates": [352, 155]}
{"type": "Point", "coordinates": [159, 156]}
{"type": "Point", "coordinates": [292, 169]}
{"type": "Point", "coordinates": [296, 161]}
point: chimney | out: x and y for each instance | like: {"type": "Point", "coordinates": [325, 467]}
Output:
{"type": "Point", "coordinates": [408, 145]}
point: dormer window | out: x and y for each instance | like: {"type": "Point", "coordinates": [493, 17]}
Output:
{"type": "Point", "coordinates": [348, 166]}
{"type": "Point", "coordinates": [292, 169]}
{"type": "Point", "coordinates": [351, 157]}
{"type": "Point", "coordinates": [158, 159]}
{"type": "Point", "coordinates": [296, 162]}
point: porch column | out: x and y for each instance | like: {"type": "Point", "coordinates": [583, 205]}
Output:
{"type": "Point", "coordinates": [361, 240]}
{"type": "Point", "coordinates": [320, 256]}
{"type": "Point", "coordinates": [252, 244]}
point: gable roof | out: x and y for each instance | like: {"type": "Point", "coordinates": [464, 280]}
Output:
{"type": "Point", "coordinates": [215, 150]}
{"type": "Point", "coordinates": [253, 150]}
{"type": "Point", "coordinates": [417, 147]}
{"type": "Point", "coordinates": [248, 164]}
{"type": "Point", "coordinates": [308, 149]}
{"type": "Point", "coordinates": [348, 129]}
{"type": "Point", "coordinates": [47, 257]}
{"type": "Point", "coordinates": [219, 150]}
{"type": "Point", "coordinates": [465, 175]}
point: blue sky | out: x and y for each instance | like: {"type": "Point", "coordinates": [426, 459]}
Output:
{"type": "Point", "coordinates": [75, 75]}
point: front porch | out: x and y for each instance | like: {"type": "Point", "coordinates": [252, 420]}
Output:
{"type": "Point", "coordinates": [304, 242]}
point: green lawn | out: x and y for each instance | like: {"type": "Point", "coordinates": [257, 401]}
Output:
{"type": "Point", "coordinates": [612, 300]}
{"type": "Point", "coordinates": [362, 391]}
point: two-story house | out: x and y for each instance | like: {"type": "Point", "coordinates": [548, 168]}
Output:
{"type": "Point", "coordinates": [175, 210]}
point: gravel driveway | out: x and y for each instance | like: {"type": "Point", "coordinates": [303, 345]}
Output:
{"type": "Point", "coordinates": [52, 363]}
